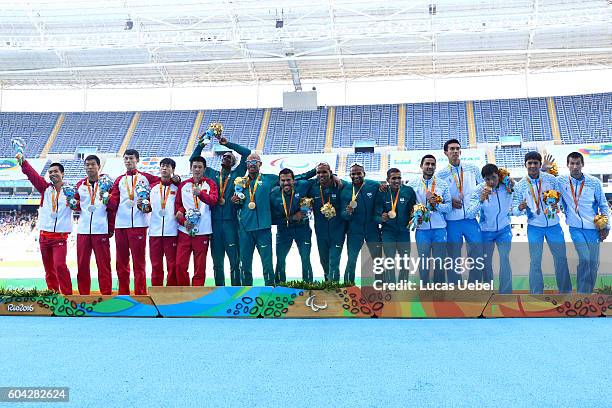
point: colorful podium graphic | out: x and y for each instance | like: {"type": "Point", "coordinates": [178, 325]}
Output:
{"type": "Point", "coordinates": [304, 303]}
{"type": "Point", "coordinates": [79, 306]}
{"type": "Point", "coordinates": [427, 304]}
{"type": "Point", "coordinates": [571, 305]}
{"type": "Point", "coordinates": [225, 301]}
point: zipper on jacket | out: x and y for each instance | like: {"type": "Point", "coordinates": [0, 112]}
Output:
{"type": "Point", "coordinates": [498, 212]}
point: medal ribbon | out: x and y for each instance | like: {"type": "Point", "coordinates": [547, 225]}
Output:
{"type": "Point", "coordinates": [355, 195]}
{"type": "Point", "coordinates": [394, 202]}
{"type": "Point", "coordinates": [95, 191]}
{"type": "Point", "coordinates": [576, 199]}
{"type": "Point", "coordinates": [285, 204]}
{"type": "Point", "coordinates": [323, 197]}
{"type": "Point", "coordinates": [536, 200]}
{"type": "Point", "coordinates": [54, 200]}
{"type": "Point", "coordinates": [127, 186]}
{"type": "Point", "coordinates": [196, 200]}
{"type": "Point", "coordinates": [433, 186]}
{"type": "Point", "coordinates": [253, 190]}
{"type": "Point", "coordinates": [223, 185]}
{"type": "Point", "coordinates": [164, 195]}
{"type": "Point", "coordinates": [458, 182]}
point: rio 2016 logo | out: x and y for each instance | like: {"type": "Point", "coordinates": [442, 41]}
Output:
{"type": "Point", "coordinates": [19, 308]}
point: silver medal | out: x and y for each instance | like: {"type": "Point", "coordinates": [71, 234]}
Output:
{"type": "Point", "coordinates": [162, 212]}
{"type": "Point", "coordinates": [130, 203]}
{"type": "Point", "coordinates": [91, 208]}
{"type": "Point", "coordinates": [54, 215]}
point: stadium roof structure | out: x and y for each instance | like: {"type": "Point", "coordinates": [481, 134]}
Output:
{"type": "Point", "coordinates": [128, 43]}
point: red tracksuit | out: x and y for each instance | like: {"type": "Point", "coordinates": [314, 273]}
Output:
{"type": "Point", "coordinates": [94, 231]}
{"type": "Point", "coordinates": [130, 231]}
{"type": "Point", "coordinates": [163, 233]}
{"type": "Point", "coordinates": [55, 224]}
{"type": "Point", "coordinates": [199, 243]}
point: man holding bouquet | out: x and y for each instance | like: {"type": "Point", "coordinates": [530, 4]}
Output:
{"type": "Point", "coordinates": [54, 223]}
{"type": "Point", "coordinates": [493, 201]}
{"type": "Point", "coordinates": [163, 230]}
{"type": "Point", "coordinates": [290, 207]}
{"type": "Point", "coordinates": [224, 214]}
{"type": "Point", "coordinates": [131, 222]}
{"type": "Point", "coordinates": [433, 194]}
{"type": "Point", "coordinates": [96, 227]}
{"type": "Point", "coordinates": [461, 178]}
{"type": "Point", "coordinates": [588, 216]}
{"type": "Point", "coordinates": [358, 198]}
{"type": "Point", "coordinates": [194, 199]}
{"type": "Point", "coordinates": [330, 227]}
{"type": "Point", "coordinates": [254, 218]}
{"type": "Point", "coordinates": [541, 223]}
{"type": "Point", "coordinates": [393, 210]}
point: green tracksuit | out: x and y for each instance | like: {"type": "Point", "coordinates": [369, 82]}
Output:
{"type": "Point", "coordinates": [288, 230]}
{"type": "Point", "coordinates": [225, 219]}
{"type": "Point", "coordinates": [330, 232]}
{"type": "Point", "coordinates": [395, 231]}
{"type": "Point", "coordinates": [362, 227]}
{"type": "Point", "coordinates": [254, 227]}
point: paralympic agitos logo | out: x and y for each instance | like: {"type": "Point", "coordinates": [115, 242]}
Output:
{"type": "Point", "coordinates": [290, 162]}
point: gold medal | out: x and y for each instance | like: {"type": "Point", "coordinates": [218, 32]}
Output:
{"type": "Point", "coordinates": [252, 205]}
{"type": "Point", "coordinates": [222, 201]}
{"type": "Point", "coordinates": [353, 204]}
{"type": "Point", "coordinates": [392, 214]}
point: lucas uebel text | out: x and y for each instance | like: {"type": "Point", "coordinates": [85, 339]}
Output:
{"type": "Point", "coordinates": [420, 285]}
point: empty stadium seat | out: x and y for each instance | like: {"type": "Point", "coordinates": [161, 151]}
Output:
{"type": "Point", "coordinates": [74, 170]}
{"type": "Point", "coordinates": [527, 118]}
{"type": "Point", "coordinates": [370, 161]}
{"type": "Point", "coordinates": [368, 122]}
{"type": "Point", "coordinates": [296, 132]}
{"type": "Point", "coordinates": [510, 156]}
{"type": "Point", "coordinates": [585, 118]}
{"type": "Point", "coordinates": [103, 130]}
{"type": "Point", "coordinates": [163, 133]}
{"type": "Point", "coordinates": [429, 125]}
{"type": "Point", "coordinates": [33, 128]}
{"type": "Point", "coordinates": [239, 125]}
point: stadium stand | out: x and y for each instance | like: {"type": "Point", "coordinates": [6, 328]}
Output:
{"type": "Point", "coordinates": [585, 118]}
{"type": "Point", "coordinates": [103, 130]}
{"type": "Point", "coordinates": [239, 125]}
{"type": "Point", "coordinates": [164, 133]}
{"type": "Point", "coordinates": [510, 156]}
{"type": "Point", "coordinates": [371, 161]}
{"type": "Point", "coordinates": [215, 162]}
{"type": "Point", "coordinates": [511, 117]}
{"type": "Point", "coordinates": [369, 122]}
{"type": "Point", "coordinates": [296, 132]}
{"type": "Point", "coordinates": [74, 170]}
{"type": "Point", "coordinates": [33, 128]}
{"type": "Point", "coordinates": [429, 125]}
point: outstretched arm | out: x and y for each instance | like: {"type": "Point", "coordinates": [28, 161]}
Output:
{"type": "Point", "coordinates": [38, 181]}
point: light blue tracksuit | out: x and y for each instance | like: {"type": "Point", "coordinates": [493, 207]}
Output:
{"type": "Point", "coordinates": [494, 215]}
{"type": "Point", "coordinates": [540, 227]}
{"type": "Point", "coordinates": [588, 192]}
